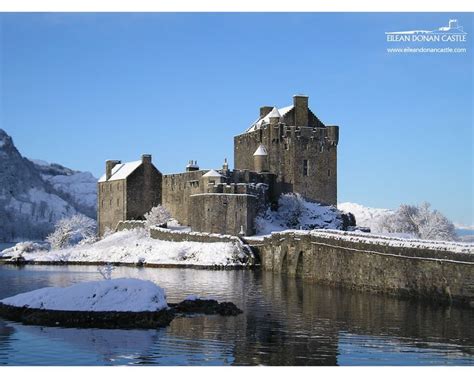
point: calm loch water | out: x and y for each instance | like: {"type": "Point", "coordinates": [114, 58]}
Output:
{"type": "Point", "coordinates": [285, 322]}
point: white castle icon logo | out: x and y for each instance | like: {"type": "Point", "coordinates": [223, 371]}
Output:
{"type": "Point", "coordinates": [452, 28]}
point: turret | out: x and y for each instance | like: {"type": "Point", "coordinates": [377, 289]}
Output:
{"type": "Point", "coordinates": [274, 116]}
{"type": "Point", "coordinates": [333, 134]}
{"type": "Point", "coordinates": [212, 177]}
{"type": "Point", "coordinates": [225, 166]}
{"type": "Point", "coordinates": [260, 159]}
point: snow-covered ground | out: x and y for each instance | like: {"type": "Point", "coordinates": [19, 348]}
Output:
{"type": "Point", "coordinates": [294, 212]}
{"type": "Point", "coordinates": [365, 216]}
{"type": "Point", "coordinates": [135, 246]}
{"type": "Point", "coordinates": [121, 294]}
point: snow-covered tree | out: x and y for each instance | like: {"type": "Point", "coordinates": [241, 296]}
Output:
{"type": "Point", "coordinates": [290, 207]}
{"type": "Point", "coordinates": [420, 221]}
{"type": "Point", "coordinates": [157, 216]}
{"type": "Point", "coordinates": [73, 230]}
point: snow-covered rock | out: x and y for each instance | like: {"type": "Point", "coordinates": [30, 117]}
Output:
{"type": "Point", "coordinates": [34, 195]}
{"type": "Point", "coordinates": [365, 216]}
{"type": "Point", "coordinates": [122, 294]}
{"type": "Point", "coordinates": [135, 246]}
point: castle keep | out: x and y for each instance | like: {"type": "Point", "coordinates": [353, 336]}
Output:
{"type": "Point", "coordinates": [284, 150]}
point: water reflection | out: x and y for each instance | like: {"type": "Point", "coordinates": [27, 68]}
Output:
{"type": "Point", "coordinates": [285, 322]}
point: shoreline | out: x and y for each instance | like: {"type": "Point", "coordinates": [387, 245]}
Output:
{"type": "Point", "coordinates": [134, 265]}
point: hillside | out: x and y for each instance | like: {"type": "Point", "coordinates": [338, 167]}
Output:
{"type": "Point", "coordinates": [34, 195]}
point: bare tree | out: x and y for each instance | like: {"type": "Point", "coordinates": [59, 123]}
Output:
{"type": "Point", "coordinates": [73, 230]}
{"type": "Point", "coordinates": [106, 271]}
{"type": "Point", "coordinates": [157, 216]}
{"type": "Point", "coordinates": [421, 221]}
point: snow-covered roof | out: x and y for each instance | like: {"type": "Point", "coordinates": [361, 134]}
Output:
{"type": "Point", "coordinates": [274, 113]}
{"type": "Point", "coordinates": [212, 173]}
{"type": "Point", "coordinates": [261, 151]}
{"type": "Point", "coordinates": [122, 171]}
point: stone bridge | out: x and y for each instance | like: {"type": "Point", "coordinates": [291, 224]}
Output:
{"type": "Point", "coordinates": [439, 271]}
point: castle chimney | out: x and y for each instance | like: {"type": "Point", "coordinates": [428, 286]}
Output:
{"type": "Point", "coordinates": [146, 159]}
{"type": "Point", "coordinates": [300, 102]}
{"type": "Point", "coordinates": [264, 110]}
{"type": "Point", "coordinates": [109, 165]}
{"type": "Point", "coordinates": [192, 166]}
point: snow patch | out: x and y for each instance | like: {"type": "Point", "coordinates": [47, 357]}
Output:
{"type": "Point", "coordinates": [122, 294]}
{"type": "Point", "coordinates": [135, 246]}
{"type": "Point", "coordinates": [294, 212]}
{"type": "Point", "coordinates": [265, 120]}
{"type": "Point", "coordinates": [212, 173]}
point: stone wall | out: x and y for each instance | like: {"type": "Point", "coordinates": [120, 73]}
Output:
{"type": "Point", "coordinates": [177, 189]}
{"type": "Point", "coordinates": [443, 276]}
{"type": "Point", "coordinates": [178, 236]}
{"type": "Point", "coordinates": [143, 191]}
{"type": "Point", "coordinates": [111, 200]}
{"type": "Point", "coordinates": [201, 237]}
{"type": "Point", "coordinates": [223, 213]}
{"type": "Point", "coordinates": [130, 225]}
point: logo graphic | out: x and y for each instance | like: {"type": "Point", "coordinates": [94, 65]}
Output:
{"type": "Point", "coordinates": [451, 33]}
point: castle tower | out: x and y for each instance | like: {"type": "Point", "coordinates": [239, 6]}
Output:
{"type": "Point", "coordinates": [300, 150]}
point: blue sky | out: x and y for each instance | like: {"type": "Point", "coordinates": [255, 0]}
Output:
{"type": "Point", "coordinates": [78, 89]}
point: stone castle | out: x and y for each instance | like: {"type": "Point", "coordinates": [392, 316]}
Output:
{"type": "Point", "coordinates": [286, 150]}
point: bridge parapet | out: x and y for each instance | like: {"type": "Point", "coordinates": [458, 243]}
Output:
{"type": "Point", "coordinates": [442, 272]}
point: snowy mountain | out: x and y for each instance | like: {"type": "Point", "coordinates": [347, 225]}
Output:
{"type": "Point", "coordinates": [365, 216]}
{"type": "Point", "coordinates": [34, 195]}
{"type": "Point", "coordinates": [78, 188]}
